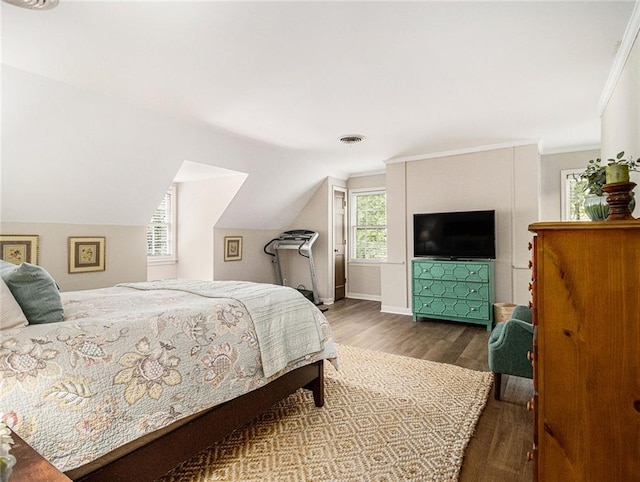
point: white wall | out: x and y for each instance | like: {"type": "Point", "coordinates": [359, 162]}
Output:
{"type": "Point", "coordinates": [363, 279]}
{"type": "Point", "coordinates": [74, 157]}
{"type": "Point", "coordinates": [126, 252]}
{"type": "Point", "coordinates": [114, 160]}
{"type": "Point", "coordinates": [95, 160]}
{"type": "Point", "coordinates": [620, 119]}
{"type": "Point", "coordinates": [200, 205]}
{"type": "Point", "coordinates": [164, 270]}
{"type": "Point", "coordinates": [394, 272]}
{"type": "Point", "coordinates": [316, 215]}
{"type": "Point", "coordinates": [466, 183]}
{"type": "Point", "coordinates": [525, 210]}
{"type": "Point", "coordinates": [550, 184]}
{"type": "Point", "coordinates": [255, 265]}
{"type": "Point", "coordinates": [621, 116]}
{"type": "Point", "coordinates": [202, 193]}
{"type": "Point", "coordinates": [505, 180]}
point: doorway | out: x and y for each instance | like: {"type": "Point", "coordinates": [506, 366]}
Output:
{"type": "Point", "coordinates": [339, 242]}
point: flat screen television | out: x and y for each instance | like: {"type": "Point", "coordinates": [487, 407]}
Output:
{"type": "Point", "coordinates": [455, 235]}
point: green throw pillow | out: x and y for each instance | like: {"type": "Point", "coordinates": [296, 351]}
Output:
{"type": "Point", "coordinates": [35, 291]}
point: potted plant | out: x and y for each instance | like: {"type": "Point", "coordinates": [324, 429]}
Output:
{"type": "Point", "coordinates": [596, 175]}
{"type": "Point", "coordinates": [618, 169]}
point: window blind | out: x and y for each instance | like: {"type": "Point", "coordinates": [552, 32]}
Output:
{"type": "Point", "coordinates": [160, 228]}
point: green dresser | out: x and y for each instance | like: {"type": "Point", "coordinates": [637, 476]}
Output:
{"type": "Point", "coordinates": [453, 290]}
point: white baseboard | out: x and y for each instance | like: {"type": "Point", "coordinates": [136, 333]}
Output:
{"type": "Point", "coordinates": [327, 301]}
{"type": "Point", "coordinates": [396, 310]}
{"type": "Point", "coordinates": [362, 296]}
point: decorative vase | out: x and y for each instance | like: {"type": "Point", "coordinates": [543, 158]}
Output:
{"type": "Point", "coordinates": [621, 200]}
{"type": "Point", "coordinates": [596, 207]}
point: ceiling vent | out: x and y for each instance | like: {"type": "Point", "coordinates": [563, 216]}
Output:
{"type": "Point", "coordinates": [34, 4]}
{"type": "Point", "coordinates": [352, 139]}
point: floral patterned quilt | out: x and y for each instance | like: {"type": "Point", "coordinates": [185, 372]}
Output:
{"type": "Point", "coordinates": [126, 362]}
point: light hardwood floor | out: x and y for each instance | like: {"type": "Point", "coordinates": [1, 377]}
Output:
{"type": "Point", "coordinates": [504, 433]}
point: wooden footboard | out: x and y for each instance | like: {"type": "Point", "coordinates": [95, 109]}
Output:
{"type": "Point", "coordinates": [153, 460]}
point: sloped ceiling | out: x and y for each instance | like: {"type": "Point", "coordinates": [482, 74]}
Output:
{"type": "Point", "coordinates": [267, 88]}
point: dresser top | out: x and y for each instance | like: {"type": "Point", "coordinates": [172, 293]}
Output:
{"type": "Point", "coordinates": [584, 225]}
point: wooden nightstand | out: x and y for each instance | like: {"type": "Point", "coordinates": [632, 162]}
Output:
{"type": "Point", "coordinates": [31, 466]}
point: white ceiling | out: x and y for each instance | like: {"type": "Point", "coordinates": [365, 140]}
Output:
{"type": "Point", "coordinates": [414, 78]}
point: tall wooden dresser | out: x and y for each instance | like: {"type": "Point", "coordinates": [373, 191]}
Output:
{"type": "Point", "coordinates": [586, 354]}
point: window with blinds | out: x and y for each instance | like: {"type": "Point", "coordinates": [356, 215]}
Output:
{"type": "Point", "coordinates": [161, 229]}
{"type": "Point", "coordinates": [369, 225]}
{"type": "Point", "coordinates": [574, 190]}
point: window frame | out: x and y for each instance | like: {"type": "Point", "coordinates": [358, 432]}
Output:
{"type": "Point", "coordinates": [565, 191]}
{"type": "Point", "coordinates": [172, 258]}
{"type": "Point", "coordinates": [353, 204]}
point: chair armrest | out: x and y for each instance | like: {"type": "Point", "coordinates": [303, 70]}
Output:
{"type": "Point", "coordinates": [508, 352]}
{"type": "Point", "coordinates": [522, 313]}
{"type": "Point", "coordinates": [515, 333]}
{"type": "Point", "coordinates": [516, 326]}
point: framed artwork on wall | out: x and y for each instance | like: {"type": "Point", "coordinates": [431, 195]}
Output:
{"type": "Point", "coordinates": [232, 248]}
{"type": "Point", "coordinates": [19, 248]}
{"type": "Point", "coordinates": [86, 254]}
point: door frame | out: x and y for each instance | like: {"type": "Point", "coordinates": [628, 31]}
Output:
{"type": "Point", "coordinates": [332, 245]}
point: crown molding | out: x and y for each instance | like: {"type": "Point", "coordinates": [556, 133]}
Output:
{"type": "Point", "coordinates": [368, 173]}
{"type": "Point", "coordinates": [468, 150]}
{"type": "Point", "coordinates": [628, 39]}
{"type": "Point", "coordinates": [567, 150]}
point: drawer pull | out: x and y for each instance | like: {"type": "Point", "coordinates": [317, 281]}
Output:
{"type": "Point", "coordinates": [530, 246]}
{"type": "Point", "coordinates": [474, 309]}
{"type": "Point", "coordinates": [530, 264]}
{"type": "Point", "coordinates": [530, 305]}
{"type": "Point", "coordinates": [530, 405]}
{"type": "Point", "coordinates": [474, 291]}
{"type": "Point", "coordinates": [530, 355]}
{"type": "Point", "coordinates": [530, 286]}
{"type": "Point", "coordinates": [472, 272]}
{"type": "Point", "coordinates": [530, 456]}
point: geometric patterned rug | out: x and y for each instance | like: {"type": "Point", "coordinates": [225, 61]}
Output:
{"type": "Point", "coordinates": [386, 418]}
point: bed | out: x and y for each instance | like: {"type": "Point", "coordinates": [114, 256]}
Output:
{"type": "Point", "coordinates": [140, 377]}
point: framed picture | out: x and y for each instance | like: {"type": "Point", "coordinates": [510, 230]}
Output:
{"type": "Point", "coordinates": [232, 248]}
{"type": "Point", "coordinates": [86, 254]}
{"type": "Point", "coordinates": [19, 248]}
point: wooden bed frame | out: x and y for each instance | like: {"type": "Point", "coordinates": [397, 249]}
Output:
{"type": "Point", "coordinates": [154, 459]}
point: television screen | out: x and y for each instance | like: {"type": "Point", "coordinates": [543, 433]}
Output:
{"type": "Point", "coordinates": [463, 234]}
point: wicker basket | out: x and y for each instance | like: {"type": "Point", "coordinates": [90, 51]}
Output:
{"type": "Point", "coordinates": [502, 311]}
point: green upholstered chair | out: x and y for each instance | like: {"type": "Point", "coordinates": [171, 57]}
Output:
{"type": "Point", "coordinates": [508, 346]}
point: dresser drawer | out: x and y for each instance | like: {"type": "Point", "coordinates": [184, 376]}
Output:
{"type": "Point", "coordinates": [451, 289]}
{"type": "Point", "coordinates": [452, 271]}
{"type": "Point", "coordinates": [451, 307]}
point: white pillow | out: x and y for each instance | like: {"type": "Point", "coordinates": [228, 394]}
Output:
{"type": "Point", "coordinates": [11, 314]}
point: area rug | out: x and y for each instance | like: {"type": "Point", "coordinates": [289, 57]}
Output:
{"type": "Point", "coordinates": [386, 418]}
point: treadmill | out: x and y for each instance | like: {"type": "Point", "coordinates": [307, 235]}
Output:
{"type": "Point", "coordinates": [301, 240]}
